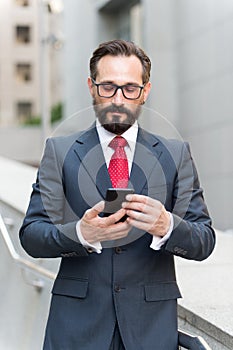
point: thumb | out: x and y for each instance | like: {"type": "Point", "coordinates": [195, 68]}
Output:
{"type": "Point", "coordinates": [95, 210]}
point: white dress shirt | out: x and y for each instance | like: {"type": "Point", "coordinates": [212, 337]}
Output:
{"type": "Point", "coordinates": [105, 138]}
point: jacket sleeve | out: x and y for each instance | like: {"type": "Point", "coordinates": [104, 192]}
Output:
{"type": "Point", "coordinates": [43, 233]}
{"type": "Point", "coordinates": [193, 236]}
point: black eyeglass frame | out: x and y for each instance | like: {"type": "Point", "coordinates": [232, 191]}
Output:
{"type": "Point", "coordinates": [118, 87]}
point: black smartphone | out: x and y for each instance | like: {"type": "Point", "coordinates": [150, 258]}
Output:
{"type": "Point", "coordinates": [114, 198]}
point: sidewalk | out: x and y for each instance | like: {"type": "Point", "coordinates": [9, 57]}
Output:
{"type": "Point", "coordinates": [207, 289]}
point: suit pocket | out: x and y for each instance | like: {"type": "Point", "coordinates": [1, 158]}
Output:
{"type": "Point", "coordinates": [162, 291]}
{"type": "Point", "coordinates": [70, 287]}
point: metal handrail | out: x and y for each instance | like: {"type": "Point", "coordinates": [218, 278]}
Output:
{"type": "Point", "coordinates": [192, 342]}
{"type": "Point", "coordinates": [24, 263]}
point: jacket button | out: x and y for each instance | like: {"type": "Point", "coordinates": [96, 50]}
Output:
{"type": "Point", "coordinates": [117, 288]}
{"type": "Point", "coordinates": [118, 250]}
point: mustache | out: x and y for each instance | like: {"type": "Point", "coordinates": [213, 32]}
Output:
{"type": "Point", "coordinates": [116, 109]}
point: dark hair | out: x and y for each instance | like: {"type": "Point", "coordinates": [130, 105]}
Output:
{"type": "Point", "coordinates": [120, 48]}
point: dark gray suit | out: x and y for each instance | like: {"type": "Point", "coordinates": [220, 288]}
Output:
{"type": "Point", "coordinates": [131, 284]}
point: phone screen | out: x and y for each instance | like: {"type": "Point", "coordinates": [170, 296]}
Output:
{"type": "Point", "coordinates": [114, 199]}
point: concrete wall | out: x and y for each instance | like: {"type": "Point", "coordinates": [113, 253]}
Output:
{"type": "Point", "coordinates": [24, 308]}
{"type": "Point", "coordinates": [190, 44]}
{"type": "Point", "coordinates": [204, 31]}
{"type": "Point", "coordinates": [159, 42]}
{"type": "Point", "coordinates": [23, 144]}
{"type": "Point", "coordinates": [79, 30]}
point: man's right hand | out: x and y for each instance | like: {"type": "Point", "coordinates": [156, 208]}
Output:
{"type": "Point", "coordinates": [97, 229]}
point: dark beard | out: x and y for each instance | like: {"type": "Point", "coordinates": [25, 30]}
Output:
{"type": "Point", "coordinates": [114, 126]}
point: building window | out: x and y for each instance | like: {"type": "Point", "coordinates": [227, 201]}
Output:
{"type": "Point", "coordinates": [24, 111]}
{"type": "Point", "coordinates": [23, 72]}
{"type": "Point", "coordinates": [23, 34]}
{"type": "Point", "coordinates": [22, 2]}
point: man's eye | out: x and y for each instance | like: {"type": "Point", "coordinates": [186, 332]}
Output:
{"type": "Point", "coordinates": [129, 88]}
{"type": "Point", "coordinates": [108, 87]}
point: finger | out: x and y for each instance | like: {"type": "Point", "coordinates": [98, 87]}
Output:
{"type": "Point", "coordinates": [136, 198]}
{"type": "Point", "coordinates": [139, 216]}
{"type": "Point", "coordinates": [138, 206]}
{"type": "Point", "coordinates": [118, 233]}
{"type": "Point", "coordinates": [112, 219]}
{"type": "Point", "coordinates": [95, 210]}
{"type": "Point", "coordinates": [114, 231]}
{"type": "Point", "coordinates": [139, 198]}
{"type": "Point", "coordinates": [138, 224]}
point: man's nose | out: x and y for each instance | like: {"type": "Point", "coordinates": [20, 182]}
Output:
{"type": "Point", "coordinates": [118, 98]}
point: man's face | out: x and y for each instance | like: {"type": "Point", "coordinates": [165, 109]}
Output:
{"type": "Point", "coordinates": [118, 113]}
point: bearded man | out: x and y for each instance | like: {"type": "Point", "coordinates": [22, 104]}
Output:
{"type": "Point", "coordinates": [116, 287]}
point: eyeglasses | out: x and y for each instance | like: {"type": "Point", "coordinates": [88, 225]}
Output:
{"type": "Point", "coordinates": [107, 90]}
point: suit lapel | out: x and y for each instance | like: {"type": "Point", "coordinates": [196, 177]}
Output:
{"type": "Point", "coordinates": [145, 160]}
{"type": "Point", "coordinates": [89, 151]}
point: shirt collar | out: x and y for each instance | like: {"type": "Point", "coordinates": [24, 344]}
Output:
{"type": "Point", "coordinates": [106, 137]}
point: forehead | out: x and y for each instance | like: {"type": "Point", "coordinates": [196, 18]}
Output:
{"type": "Point", "coordinates": [120, 69]}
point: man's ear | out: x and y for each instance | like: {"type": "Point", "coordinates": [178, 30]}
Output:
{"type": "Point", "coordinates": [90, 86]}
{"type": "Point", "coordinates": [146, 90]}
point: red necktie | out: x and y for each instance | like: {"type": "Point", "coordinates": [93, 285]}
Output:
{"type": "Point", "coordinates": [118, 166]}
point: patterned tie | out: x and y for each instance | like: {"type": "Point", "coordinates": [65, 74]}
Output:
{"type": "Point", "coordinates": [118, 166]}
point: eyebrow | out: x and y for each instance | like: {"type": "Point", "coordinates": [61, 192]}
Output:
{"type": "Point", "coordinates": [111, 82]}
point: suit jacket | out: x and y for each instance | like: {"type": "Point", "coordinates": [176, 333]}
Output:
{"type": "Point", "coordinates": [131, 284]}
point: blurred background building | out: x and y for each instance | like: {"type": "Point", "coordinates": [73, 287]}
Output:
{"type": "Point", "coordinates": [21, 46]}
{"type": "Point", "coordinates": [30, 75]}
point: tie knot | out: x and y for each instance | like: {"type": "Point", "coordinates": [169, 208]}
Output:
{"type": "Point", "coordinates": [118, 141]}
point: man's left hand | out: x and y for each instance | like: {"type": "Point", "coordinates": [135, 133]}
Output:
{"type": "Point", "coordinates": [147, 214]}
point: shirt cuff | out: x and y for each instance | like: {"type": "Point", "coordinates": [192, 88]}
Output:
{"type": "Point", "coordinates": [95, 247]}
{"type": "Point", "coordinates": [158, 242]}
